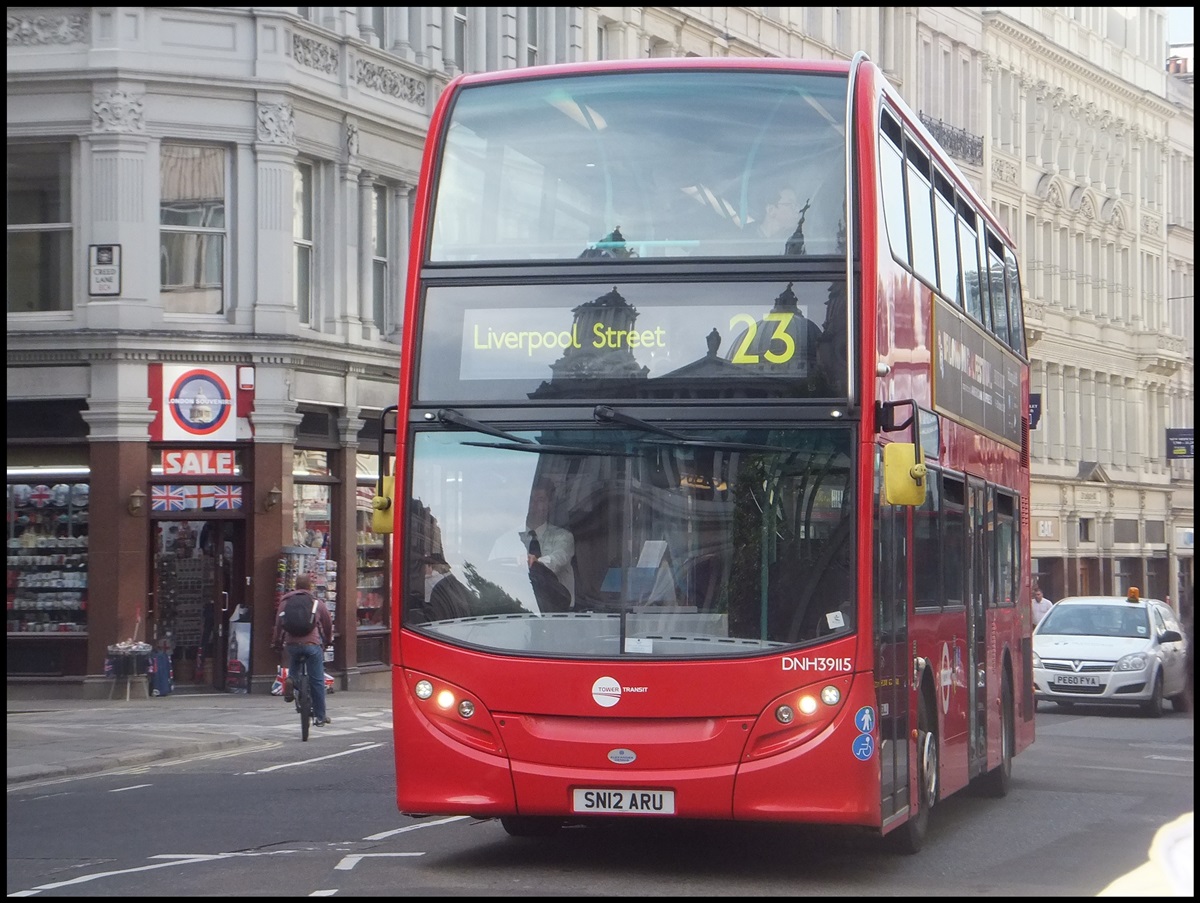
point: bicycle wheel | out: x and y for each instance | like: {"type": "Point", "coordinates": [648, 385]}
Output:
{"type": "Point", "coordinates": [304, 702]}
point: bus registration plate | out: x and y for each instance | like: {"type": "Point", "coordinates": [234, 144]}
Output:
{"type": "Point", "coordinates": [1076, 680]}
{"type": "Point", "coordinates": [634, 802]}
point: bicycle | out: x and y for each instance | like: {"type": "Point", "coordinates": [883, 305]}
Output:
{"type": "Point", "coordinates": [303, 694]}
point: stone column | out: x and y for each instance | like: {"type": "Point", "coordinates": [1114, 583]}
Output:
{"type": "Point", "coordinates": [119, 170]}
{"type": "Point", "coordinates": [274, 179]}
{"type": "Point", "coordinates": [366, 314]}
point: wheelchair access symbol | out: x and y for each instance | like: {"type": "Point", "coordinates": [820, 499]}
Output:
{"type": "Point", "coordinates": [864, 744]}
{"type": "Point", "coordinates": [864, 747]}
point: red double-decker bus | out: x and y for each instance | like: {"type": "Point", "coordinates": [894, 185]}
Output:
{"type": "Point", "coordinates": [711, 479]}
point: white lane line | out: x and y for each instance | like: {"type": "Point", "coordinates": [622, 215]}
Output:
{"type": "Point", "coordinates": [134, 787]}
{"type": "Point", "coordinates": [349, 862]}
{"type": "Point", "coordinates": [347, 752]}
{"type": "Point", "coordinates": [141, 868]}
{"type": "Point", "coordinates": [384, 835]}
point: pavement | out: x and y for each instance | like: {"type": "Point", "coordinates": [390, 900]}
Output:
{"type": "Point", "coordinates": [54, 738]}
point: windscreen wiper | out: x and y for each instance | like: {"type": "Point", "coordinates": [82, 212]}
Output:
{"type": "Point", "coordinates": [513, 441]}
{"type": "Point", "coordinates": [449, 415]}
{"type": "Point", "coordinates": [603, 413]}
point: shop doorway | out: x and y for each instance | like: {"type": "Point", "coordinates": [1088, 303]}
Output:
{"type": "Point", "coordinates": [201, 615]}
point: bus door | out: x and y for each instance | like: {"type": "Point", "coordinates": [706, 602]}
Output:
{"type": "Point", "coordinates": [893, 662]}
{"type": "Point", "coordinates": [977, 591]}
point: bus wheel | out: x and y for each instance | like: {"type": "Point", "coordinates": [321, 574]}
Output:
{"type": "Point", "coordinates": [997, 781]}
{"type": "Point", "coordinates": [530, 826]}
{"type": "Point", "coordinates": [910, 837]}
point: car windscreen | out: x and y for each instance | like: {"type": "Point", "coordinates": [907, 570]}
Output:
{"type": "Point", "coordinates": [1096, 620]}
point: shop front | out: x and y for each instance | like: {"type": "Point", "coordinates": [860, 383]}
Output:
{"type": "Point", "coordinates": [187, 561]}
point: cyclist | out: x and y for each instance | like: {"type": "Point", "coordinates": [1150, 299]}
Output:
{"type": "Point", "coordinates": [309, 649]}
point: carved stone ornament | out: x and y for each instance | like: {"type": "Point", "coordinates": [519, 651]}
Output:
{"type": "Point", "coordinates": [389, 81]}
{"type": "Point", "coordinates": [70, 28]}
{"type": "Point", "coordinates": [351, 139]}
{"type": "Point", "coordinates": [1004, 171]}
{"type": "Point", "coordinates": [118, 111]}
{"type": "Point", "coordinates": [314, 54]}
{"type": "Point", "coordinates": [276, 124]}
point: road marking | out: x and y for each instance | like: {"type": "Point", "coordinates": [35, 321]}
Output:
{"type": "Point", "coordinates": [347, 752]}
{"type": "Point", "coordinates": [188, 860]}
{"type": "Point", "coordinates": [384, 835]}
{"type": "Point", "coordinates": [134, 787]}
{"type": "Point", "coordinates": [1172, 758]}
{"type": "Point", "coordinates": [349, 862]}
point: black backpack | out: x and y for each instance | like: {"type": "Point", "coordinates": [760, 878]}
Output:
{"type": "Point", "coordinates": [298, 615]}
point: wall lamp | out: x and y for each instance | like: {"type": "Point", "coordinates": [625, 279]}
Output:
{"type": "Point", "coordinates": [137, 503]}
{"type": "Point", "coordinates": [274, 497]}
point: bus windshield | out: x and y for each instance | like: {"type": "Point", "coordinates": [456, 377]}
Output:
{"type": "Point", "coordinates": [627, 540]}
{"type": "Point", "coordinates": [637, 165]}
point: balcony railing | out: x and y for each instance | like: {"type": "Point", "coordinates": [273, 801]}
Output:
{"type": "Point", "coordinates": [959, 143]}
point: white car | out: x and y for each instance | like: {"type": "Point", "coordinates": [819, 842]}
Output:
{"type": "Point", "coordinates": [1108, 650]}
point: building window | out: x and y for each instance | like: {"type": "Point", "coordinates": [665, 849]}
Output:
{"type": "Point", "coordinates": [39, 228]}
{"type": "Point", "coordinates": [312, 496]}
{"type": "Point", "coordinates": [380, 245]}
{"type": "Point", "coordinates": [47, 556]}
{"type": "Point", "coordinates": [601, 42]}
{"type": "Point", "coordinates": [1086, 529]}
{"type": "Point", "coordinates": [460, 38]}
{"type": "Point", "coordinates": [373, 551]}
{"type": "Point", "coordinates": [192, 228]}
{"type": "Point", "coordinates": [302, 237]}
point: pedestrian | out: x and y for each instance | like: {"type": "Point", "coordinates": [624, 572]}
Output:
{"type": "Point", "coordinates": [308, 648]}
{"type": "Point", "coordinates": [1041, 605]}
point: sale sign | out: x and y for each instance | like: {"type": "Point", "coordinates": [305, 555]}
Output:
{"type": "Point", "coordinates": [198, 463]}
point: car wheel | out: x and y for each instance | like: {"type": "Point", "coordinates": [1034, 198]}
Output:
{"type": "Point", "coordinates": [1153, 707]}
{"type": "Point", "coordinates": [997, 781]}
{"type": "Point", "coordinates": [530, 826]}
{"type": "Point", "coordinates": [910, 837]}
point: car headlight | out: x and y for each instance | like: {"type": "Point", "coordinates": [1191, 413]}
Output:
{"type": "Point", "coordinates": [1037, 660]}
{"type": "Point", "coordinates": [1135, 661]}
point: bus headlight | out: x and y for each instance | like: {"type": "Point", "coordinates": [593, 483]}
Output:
{"type": "Point", "coordinates": [423, 689]}
{"type": "Point", "coordinates": [831, 695]}
{"type": "Point", "coordinates": [466, 708]}
{"type": "Point", "coordinates": [808, 705]}
{"type": "Point", "coordinates": [784, 714]}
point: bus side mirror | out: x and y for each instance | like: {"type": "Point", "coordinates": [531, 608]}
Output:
{"type": "Point", "coordinates": [382, 516]}
{"type": "Point", "coordinates": [903, 475]}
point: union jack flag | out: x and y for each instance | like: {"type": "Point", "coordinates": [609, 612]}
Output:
{"type": "Point", "coordinates": [221, 497]}
{"type": "Point", "coordinates": [40, 495]}
{"type": "Point", "coordinates": [172, 498]}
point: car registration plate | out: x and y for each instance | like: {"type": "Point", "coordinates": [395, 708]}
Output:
{"type": "Point", "coordinates": [1076, 680]}
{"type": "Point", "coordinates": [635, 802]}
